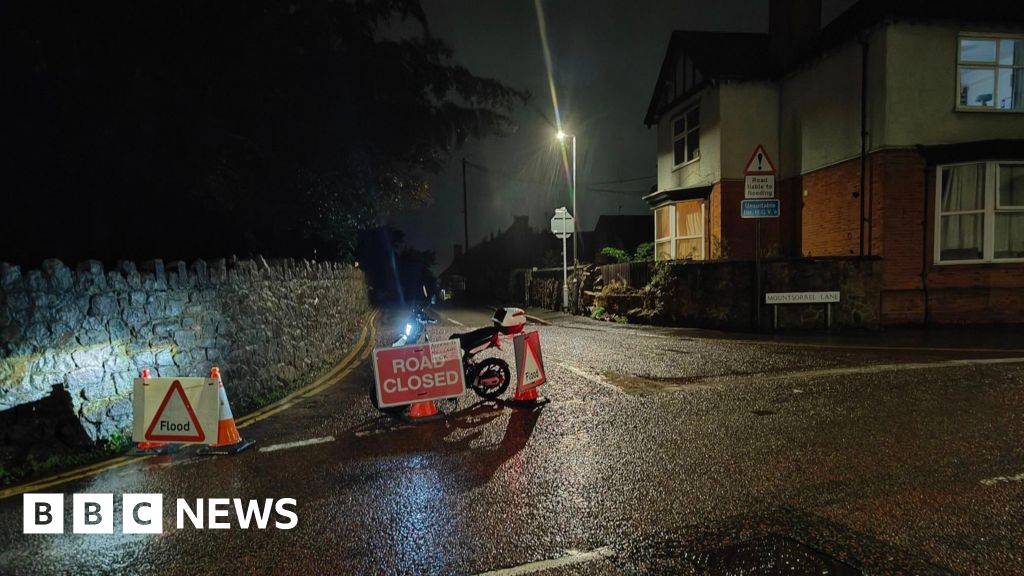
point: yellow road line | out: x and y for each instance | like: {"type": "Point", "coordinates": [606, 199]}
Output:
{"type": "Point", "coordinates": [359, 352]}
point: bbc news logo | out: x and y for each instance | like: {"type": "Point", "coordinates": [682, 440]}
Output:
{"type": "Point", "coordinates": [144, 513]}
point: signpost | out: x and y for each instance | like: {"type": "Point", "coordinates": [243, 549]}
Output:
{"type": "Point", "coordinates": [562, 225]}
{"type": "Point", "coordinates": [826, 298]}
{"type": "Point", "coordinates": [759, 208]}
{"type": "Point", "coordinates": [419, 372]}
{"type": "Point", "coordinates": [180, 410]}
{"type": "Point", "coordinates": [759, 202]}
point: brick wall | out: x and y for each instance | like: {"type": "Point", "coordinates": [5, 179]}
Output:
{"type": "Point", "coordinates": [899, 183]}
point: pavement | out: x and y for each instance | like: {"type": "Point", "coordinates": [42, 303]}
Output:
{"type": "Point", "coordinates": [662, 451]}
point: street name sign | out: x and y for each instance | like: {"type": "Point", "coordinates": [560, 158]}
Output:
{"type": "Point", "coordinates": [180, 410]}
{"type": "Point", "coordinates": [418, 372]}
{"type": "Point", "coordinates": [562, 223]}
{"type": "Point", "coordinates": [759, 186]}
{"type": "Point", "coordinates": [759, 208]}
{"type": "Point", "coordinates": [801, 297]}
{"type": "Point", "coordinates": [529, 362]}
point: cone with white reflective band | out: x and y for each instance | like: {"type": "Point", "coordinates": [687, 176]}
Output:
{"type": "Point", "coordinates": [229, 441]}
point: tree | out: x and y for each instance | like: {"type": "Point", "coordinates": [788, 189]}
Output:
{"type": "Point", "coordinates": [244, 125]}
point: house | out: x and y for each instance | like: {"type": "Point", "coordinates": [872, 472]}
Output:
{"type": "Point", "coordinates": [897, 131]}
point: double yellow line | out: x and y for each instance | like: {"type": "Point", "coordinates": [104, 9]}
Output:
{"type": "Point", "coordinates": [355, 357]}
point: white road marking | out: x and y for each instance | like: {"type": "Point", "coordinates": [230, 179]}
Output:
{"type": "Point", "coordinates": [298, 444]}
{"type": "Point", "coordinates": [571, 557]}
{"type": "Point", "coordinates": [847, 371]}
{"type": "Point", "coordinates": [452, 320]}
{"type": "Point", "coordinates": [595, 378]}
{"type": "Point", "coordinates": [998, 479]}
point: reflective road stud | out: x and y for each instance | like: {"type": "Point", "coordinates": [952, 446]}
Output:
{"type": "Point", "coordinates": [153, 448]}
{"type": "Point", "coordinates": [229, 441]}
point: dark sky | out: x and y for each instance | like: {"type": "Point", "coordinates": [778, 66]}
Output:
{"type": "Point", "coordinates": [606, 55]}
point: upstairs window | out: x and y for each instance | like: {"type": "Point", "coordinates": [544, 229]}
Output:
{"type": "Point", "coordinates": [990, 73]}
{"type": "Point", "coordinates": [686, 137]}
{"type": "Point", "coordinates": [980, 212]}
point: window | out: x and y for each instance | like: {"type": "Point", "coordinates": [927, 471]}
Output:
{"type": "Point", "coordinates": [679, 231]}
{"type": "Point", "coordinates": [990, 73]}
{"type": "Point", "coordinates": [980, 209]}
{"type": "Point", "coordinates": [663, 233]}
{"type": "Point", "coordinates": [686, 137]}
{"type": "Point", "coordinates": [689, 230]}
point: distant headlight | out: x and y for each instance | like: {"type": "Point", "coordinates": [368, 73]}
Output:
{"type": "Point", "coordinates": [408, 329]}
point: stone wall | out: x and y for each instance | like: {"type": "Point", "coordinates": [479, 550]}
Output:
{"type": "Point", "coordinates": [83, 335]}
{"type": "Point", "coordinates": [720, 294]}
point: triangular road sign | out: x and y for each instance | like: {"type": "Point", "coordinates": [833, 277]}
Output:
{"type": "Point", "coordinates": [175, 420]}
{"type": "Point", "coordinates": [759, 162]}
{"type": "Point", "coordinates": [531, 367]}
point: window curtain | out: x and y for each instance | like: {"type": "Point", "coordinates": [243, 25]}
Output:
{"type": "Point", "coordinates": [963, 190]}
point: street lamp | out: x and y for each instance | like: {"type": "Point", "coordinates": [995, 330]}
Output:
{"type": "Point", "coordinates": [575, 215]}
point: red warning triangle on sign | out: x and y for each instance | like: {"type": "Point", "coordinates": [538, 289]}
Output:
{"type": "Point", "coordinates": [759, 163]}
{"type": "Point", "coordinates": [531, 373]}
{"type": "Point", "coordinates": [175, 419]}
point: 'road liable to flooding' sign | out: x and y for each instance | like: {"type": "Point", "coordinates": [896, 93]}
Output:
{"type": "Point", "coordinates": [418, 373]}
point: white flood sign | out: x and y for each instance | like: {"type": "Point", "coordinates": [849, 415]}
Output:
{"type": "Point", "coordinates": [759, 186]}
{"type": "Point", "coordinates": [179, 410]}
{"type": "Point", "coordinates": [801, 297]}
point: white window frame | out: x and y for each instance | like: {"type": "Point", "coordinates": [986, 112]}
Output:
{"type": "Point", "coordinates": [995, 65]}
{"type": "Point", "coordinates": [673, 231]}
{"type": "Point", "coordinates": [684, 135]}
{"type": "Point", "coordinates": [989, 214]}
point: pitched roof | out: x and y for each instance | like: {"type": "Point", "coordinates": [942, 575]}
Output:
{"type": "Point", "coordinates": [867, 13]}
{"type": "Point", "coordinates": [734, 56]}
{"type": "Point", "coordinates": [718, 56]}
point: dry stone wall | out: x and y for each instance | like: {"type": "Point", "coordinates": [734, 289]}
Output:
{"type": "Point", "coordinates": [88, 332]}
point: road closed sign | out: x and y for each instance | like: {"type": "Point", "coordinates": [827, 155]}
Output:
{"type": "Point", "coordinates": [419, 372]}
{"type": "Point", "coordinates": [179, 410]}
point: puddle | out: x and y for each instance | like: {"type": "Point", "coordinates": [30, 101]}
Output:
{"type": "Point", "coordinates": [769, 555]}
{"type": "Point", "coordinates": [651, 385]}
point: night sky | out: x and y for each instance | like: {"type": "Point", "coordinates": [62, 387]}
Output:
{"type": "Point", "coordinates": [606, 55]}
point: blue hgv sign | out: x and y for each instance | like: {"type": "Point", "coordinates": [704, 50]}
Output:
{"type": "Point", "coordinates": [759, 208]}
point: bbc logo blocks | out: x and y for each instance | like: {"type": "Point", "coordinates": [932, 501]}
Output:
{"type": "Point", "coordinates": [92, 514]}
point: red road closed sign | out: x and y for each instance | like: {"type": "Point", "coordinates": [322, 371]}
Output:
{"type": "Point", "coordinates": [418, 372]}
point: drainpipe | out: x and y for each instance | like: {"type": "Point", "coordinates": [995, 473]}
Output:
{"type": "Point", "coordinates": [863, 135]}
{"type": "Point", "coordinates": [924, 247]}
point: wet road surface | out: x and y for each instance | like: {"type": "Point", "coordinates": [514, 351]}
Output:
{"type": "Point", "coordinates": [661, 451]}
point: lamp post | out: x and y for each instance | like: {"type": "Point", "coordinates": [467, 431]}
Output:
{"type": "Point", "coordinates": [576, 217]}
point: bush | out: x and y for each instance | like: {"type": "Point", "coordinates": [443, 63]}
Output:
{"type": "Point", "coordinates": [644, 252]}
{"type": "Point", "coordinates": [617, 255]}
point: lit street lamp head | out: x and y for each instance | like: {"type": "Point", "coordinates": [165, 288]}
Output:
{"type": "Point", "coordinates": [561, 135]}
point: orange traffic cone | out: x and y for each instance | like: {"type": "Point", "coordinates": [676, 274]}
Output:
{"type": "Point", "coordinates": [229, 441]}
{"type": "Point", "coordinates": [423, 412]}
{"type": "Point", "coordinates": [528, 398]}
{"type": "Point", "coordinates": [143, 447]}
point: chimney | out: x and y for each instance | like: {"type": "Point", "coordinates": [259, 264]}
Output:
{"type": "Point", "coordinates": [793, 29]}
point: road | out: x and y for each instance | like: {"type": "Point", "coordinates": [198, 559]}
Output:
{"type": "Point", "coordinates": [661, 451]}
